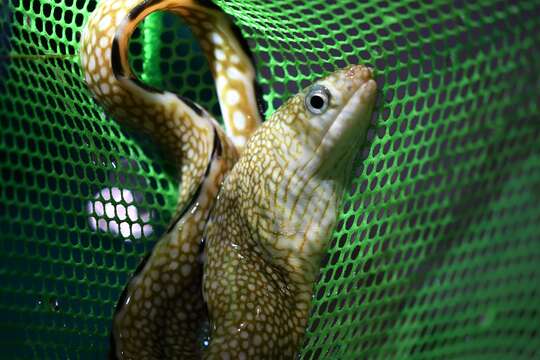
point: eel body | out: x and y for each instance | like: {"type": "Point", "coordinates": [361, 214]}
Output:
{"type": "Point", "coordinates": [274, 216]}
{"type": "Point", "coordinates": [266, 222]}
{"type": "Point", "coordinates": [161, 310]}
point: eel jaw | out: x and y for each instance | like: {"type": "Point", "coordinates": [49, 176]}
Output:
{"type": "Point", "coordinates": [347, 131]}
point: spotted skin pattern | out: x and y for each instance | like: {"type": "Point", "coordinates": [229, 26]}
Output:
{"type": "Point", "coordinates": [266, 228]}
{"type": "Point", "coordinates": [161, 309]}
{"type": "Point", "coordinates": [168, 120]}
{"type": "Point", "coordinates": [274, 215]}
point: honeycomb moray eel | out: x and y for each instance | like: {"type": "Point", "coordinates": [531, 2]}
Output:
{"type": "Point", "coordinates": [266, 229]}
{"type": "Point", "coordinates": [275, 213]}
{"type": "Point", "coordinates": [161, 309]}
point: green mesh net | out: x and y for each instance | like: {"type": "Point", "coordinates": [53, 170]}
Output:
{"type": "Point", "coordinates": [437, 250]}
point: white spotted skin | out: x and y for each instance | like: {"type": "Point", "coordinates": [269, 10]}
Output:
{"type": "Point", "coordinates": [137, 108]}
{"type": "Point", "coordinates": [133, 106]}
{"type": "Point", "coordinates": [274, 215]}
{"type": "Point", "coordinates": [232, 70]}
{"type": "Point", "coordinates": [163, 308]}
{"type": "Point", "coordinates": [163, 311]}
{"type": "Point", "coordinates": [275, 210]}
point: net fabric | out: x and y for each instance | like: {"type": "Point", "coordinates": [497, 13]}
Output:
{"type": "Point", "coordinates": [436, 250]}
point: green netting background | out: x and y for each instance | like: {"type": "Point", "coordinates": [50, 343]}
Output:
{"type": "Point", "coordinates": [437, 251]}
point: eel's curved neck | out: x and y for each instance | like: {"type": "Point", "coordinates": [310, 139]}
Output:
{"type": "Point", "coordinates": [180, 128]}
{"type": "Point", "coordinates": [227, 53]}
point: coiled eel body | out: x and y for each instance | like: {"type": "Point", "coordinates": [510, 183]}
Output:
{"type": "Point", "coordinates": [266, 230]}
{"type": "Point", "coordinates": [274, 216]}
{"type": "Point", "coordinates": [161, 309]}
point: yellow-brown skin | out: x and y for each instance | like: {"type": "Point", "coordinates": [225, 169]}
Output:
{"type": "Point", "coordinates": [184, 138]}
{"type": "Point", "coordinates": [275, 211]}
{"type": "Point", "coordinates": [274, 216]}
{"type": "Point", "coordinates": [162, 310]}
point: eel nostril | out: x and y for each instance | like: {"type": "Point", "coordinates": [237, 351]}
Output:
{"type": "Point", "coordinates": [359, 71]}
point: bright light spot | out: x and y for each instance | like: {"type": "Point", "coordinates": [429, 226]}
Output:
{"type": "Point", "coordinates": [115, 210]}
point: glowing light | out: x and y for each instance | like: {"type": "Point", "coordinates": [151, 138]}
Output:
{"type": "Point", "coordinates": [115, 210]}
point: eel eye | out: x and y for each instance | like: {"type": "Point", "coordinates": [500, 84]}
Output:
{"type": "Point", "coordinates": [317, 100]}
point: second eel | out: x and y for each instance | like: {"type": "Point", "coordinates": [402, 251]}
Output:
{"type": "Point", "coordinates": [161, 310]}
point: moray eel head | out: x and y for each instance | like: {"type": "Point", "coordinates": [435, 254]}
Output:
{"type": "Point", "coordinates": [299, 162]}
{"type": "Point", "coordinates": [325, 123]}
{"type": "Point", "coordinates": [337, 113]}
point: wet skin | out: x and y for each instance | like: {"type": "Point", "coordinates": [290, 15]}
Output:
{"type": "Point", "coordinates": [266, 207]}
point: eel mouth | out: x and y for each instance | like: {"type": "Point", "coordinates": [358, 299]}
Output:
{"type": "Point", "coordinates": [351, 123]}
